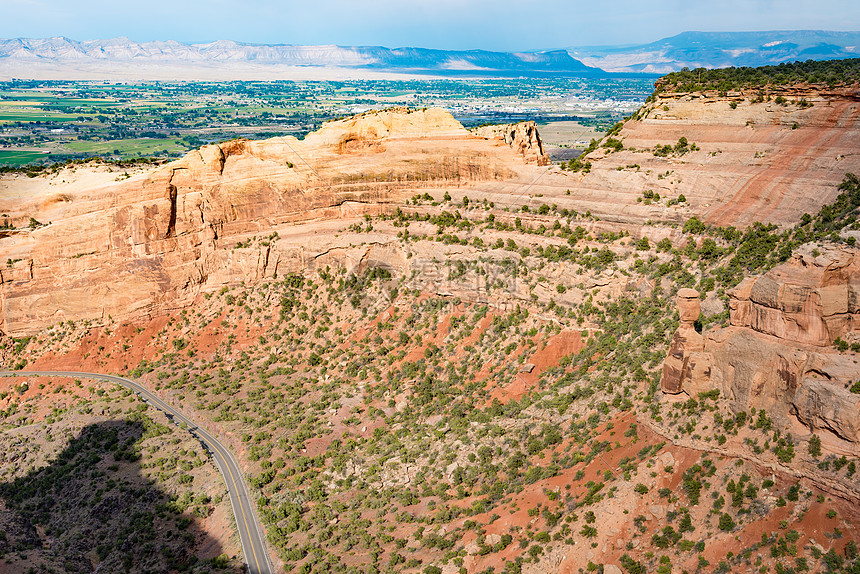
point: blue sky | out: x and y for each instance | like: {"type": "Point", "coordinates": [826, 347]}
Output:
{"type": "Point", "coordinates": [451, 24]}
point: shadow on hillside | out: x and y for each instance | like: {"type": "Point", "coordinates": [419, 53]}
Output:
{"type": "Point", "coordinates": [98, 511]}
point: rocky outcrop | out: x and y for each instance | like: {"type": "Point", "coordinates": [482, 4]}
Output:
{"type": "Point", "coordinates": [125, 247]}
{"type": "Point", "coordinates": [776, 354]}
{"type": "Point", "coordinates": [802, 389]}
{"type": "Point", "coordinates": [811, 300]}
{"type": "Point", "coordinates": [684, 364]}
{"type": "Point", "coordinates": [522, 137]}
{"type": "Point", "coordinates": [820, 404]}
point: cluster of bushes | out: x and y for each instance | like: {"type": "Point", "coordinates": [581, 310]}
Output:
{"type": "Point", "coordinates": [681, 148]}
{"type": "Point", "coordinates": [33, 170]}
{"type": "Point", "coordinates": [762, 246]}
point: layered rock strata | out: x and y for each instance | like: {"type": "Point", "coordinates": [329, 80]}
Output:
{"type": "Point", "coordinates": [777, 355]}
{"type": "Point", "coordinates": [122, 245]}
{"type": "Point", "coordinates": [810, 300]}
{"type": "Point", "coordinates": [754, 160]}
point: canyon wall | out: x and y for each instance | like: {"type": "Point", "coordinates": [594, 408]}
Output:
{"type": "Point", "coordinates": [753, 160]}
{"type": "Point", "coordinates": [128, 244]}
{"type": "Point", "coordinates": [119, 244]}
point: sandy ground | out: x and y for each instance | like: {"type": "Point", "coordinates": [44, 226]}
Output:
{"type": "Point", "coordinates": [569, 134]}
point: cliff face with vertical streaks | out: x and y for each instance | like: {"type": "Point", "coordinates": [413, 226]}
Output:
{"type": "Point", "coordinates": [153, 241]}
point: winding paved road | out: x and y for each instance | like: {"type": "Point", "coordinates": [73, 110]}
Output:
{"type": "Point", "coordinates": [250, 531]}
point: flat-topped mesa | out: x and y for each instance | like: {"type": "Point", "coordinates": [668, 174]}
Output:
{"type": "Point", "coordinates": [830, 78]}
{"type": "Point", "coordinates": [665, 93]}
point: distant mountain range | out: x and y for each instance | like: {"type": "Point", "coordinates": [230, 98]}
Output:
{"type": "Point", "coordinates": [721, 49]}
{"type": "Point", "coordinates": [121, 58]}
{"type": "Point", "coordinates": [34, 54]}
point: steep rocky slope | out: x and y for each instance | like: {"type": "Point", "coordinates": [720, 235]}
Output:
{"type": "Point", "coordinates": [754, 160]}
{"type": "Point", "coordinates": [385, 422]}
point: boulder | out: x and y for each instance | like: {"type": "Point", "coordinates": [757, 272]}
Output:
{"type": "Point", "coordinates": [689, 307]}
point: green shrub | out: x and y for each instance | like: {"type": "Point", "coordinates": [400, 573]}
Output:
{"type": "Point", "coordinates": [726, 523]}
{"type": "Point", "coordinates": [815, 446]}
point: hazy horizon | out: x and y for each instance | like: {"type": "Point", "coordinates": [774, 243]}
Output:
{"type": "Point", "coordinates": [501, 25]}
{"type": "Point", "coordinates": [243, 42]}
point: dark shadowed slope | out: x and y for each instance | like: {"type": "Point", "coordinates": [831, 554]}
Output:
{"type": "Point", "coordinates": [92, 507]}
{"type": "Point", "coordinates": [247, 523]}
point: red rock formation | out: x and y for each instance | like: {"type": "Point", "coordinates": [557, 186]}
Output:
{"type": "Point", "coordinates": [681, 362]}
{"type": "Point", "coordinates": [522, 137]}
{"type": "Point", "coordinates": [809, 300]}
{"type": "Point", "coordinates": [126, 247]}
{"type": "Point", "coordinates": [777, 353]}
{"type": "Point", "coordinates": [758, 161]}
{"type": "Point", "coordinates": [154, 241]}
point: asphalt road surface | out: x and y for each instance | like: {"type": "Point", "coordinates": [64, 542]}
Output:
{"type": "Point", "coordinates": [250, 531]}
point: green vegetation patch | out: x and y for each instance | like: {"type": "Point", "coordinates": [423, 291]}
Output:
{"type": "Point", "coordinates": [126, 148]}
{"type": "Point", "coordinates": [17, 158]}
{"type": "Point", "coordinates": [831, 73]}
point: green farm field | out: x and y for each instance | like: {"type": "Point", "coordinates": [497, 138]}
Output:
{"type": "Point", "coordinates": [35, 115]}
{"type": "Point", "coordinates": [78, 120]}
{"type": "Point", "coordinates": [19, 158]}
{"type": "Point", "coordinates": [127, 148]}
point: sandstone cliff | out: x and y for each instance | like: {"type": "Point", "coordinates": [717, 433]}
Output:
{"type": "Point", "coordinates": [125, 247]}
{"type": "Point", "coordinates": [811, 300]}
{"type": "Point", "coordinates": [776, 355]}
{"type": "Point", "coordinates": [522, 137]}
{"type": "Point", "coordinates": [755, 160]}
{"type": "Point", "coordinates": [154, 240]}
